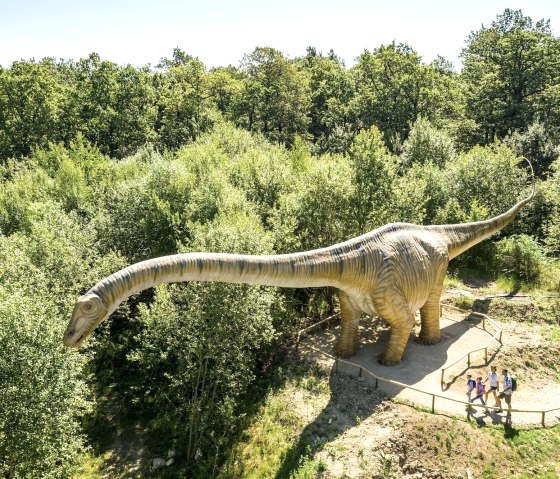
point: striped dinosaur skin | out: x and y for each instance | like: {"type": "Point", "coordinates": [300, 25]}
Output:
{"type": "Point", "coordinates": [391, 271]}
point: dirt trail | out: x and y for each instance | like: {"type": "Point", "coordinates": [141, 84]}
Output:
{"type": "Point", "coordinates": [421, 365]}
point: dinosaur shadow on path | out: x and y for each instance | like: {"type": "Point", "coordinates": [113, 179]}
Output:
{"type": "Point", "coordinates": [352, 398]}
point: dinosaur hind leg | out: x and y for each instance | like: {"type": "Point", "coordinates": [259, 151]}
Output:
{"type": "Point", "coordinates": [429, 318]}
{"type": "Point", "coordinates": [429, 313]}
{"type": "Point", "coordinates": [348, 340]}
{"type": "Point", "coordinates": [396, 312]}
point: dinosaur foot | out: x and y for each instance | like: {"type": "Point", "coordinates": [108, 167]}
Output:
{"type": "Point", "coordinates": [345, 353]}
{"type": "Point", "coordinates": [381, 359]}
{"type": "Point", "coordinates": [428, 341]}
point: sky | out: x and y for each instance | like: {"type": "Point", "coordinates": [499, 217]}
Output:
{"type": "Point", "coordinates": [220, 32]}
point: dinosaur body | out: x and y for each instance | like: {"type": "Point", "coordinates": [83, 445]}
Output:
{"type": "Point", "coordinates": [392, 272]}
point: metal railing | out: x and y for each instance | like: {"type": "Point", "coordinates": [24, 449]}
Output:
{"type": "Point", "coordinates": [377, 379]}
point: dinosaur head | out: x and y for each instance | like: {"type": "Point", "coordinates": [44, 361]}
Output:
{"type": "Point", "coordinates": [89, 311]}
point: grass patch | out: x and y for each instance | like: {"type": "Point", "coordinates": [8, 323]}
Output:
{"type": "Point", "coordinates": [269, 443]}
{"type": "Point", "coordinates": [91, 467]}
{"type": "Point", "coordinates": [534, 445]}
{"type": "Point", "coordinates": [552, 333]}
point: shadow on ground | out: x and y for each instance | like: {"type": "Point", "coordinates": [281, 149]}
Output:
{"type": "Point", "coordinates": [350, 402]}
{"type": "Point", "coordinates": [341, 414]}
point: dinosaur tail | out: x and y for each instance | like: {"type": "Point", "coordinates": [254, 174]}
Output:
{"type": "Point", "coordinates": [461, 237]}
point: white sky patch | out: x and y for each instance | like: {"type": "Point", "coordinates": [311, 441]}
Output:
{"type": "Point", "coordinates": [221, 32]}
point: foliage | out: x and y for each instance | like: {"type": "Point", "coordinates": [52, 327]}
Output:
{"type": "Point", "coordinates": [30, 106]}
{"type": "Point", "coordinates": [273, 432]}
{"type": "Point", "coordinates": [44, 394]}
{"type": "Point", "coordinates": [102, 165]}
{"type": "Point", "coordinates": [331, 119]}
{"type": "Point", "coordinates": [553, 228]}
{"type": "Point", "coordinates": [509, 75]}
{"type": "Point", "coordinates": [537, 145]}
{"type": "Point", "coordinates": [374, 171]}
{"type": "Point", "coordinates": [427, 144]}
{"type": "Point", "coordinates": [275, 98]}
{"type": "Point", "coordinates": [394, 88]}
{"type": "Point", "coordinates": [519, 256]}
{"type": "Point", "coordinates": [486, 176]}
{"type": "Point", "coordinates": [185, 107]}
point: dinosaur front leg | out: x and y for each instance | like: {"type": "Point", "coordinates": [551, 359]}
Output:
{"type": "Point", "coordinates": [348, 340]}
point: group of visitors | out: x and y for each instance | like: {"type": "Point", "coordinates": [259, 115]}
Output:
{"type": "Point", "coordinates": [479, 388]}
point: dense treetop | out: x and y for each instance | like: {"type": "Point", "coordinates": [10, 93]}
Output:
{"type": "Point", "coordinates": [509, 81]}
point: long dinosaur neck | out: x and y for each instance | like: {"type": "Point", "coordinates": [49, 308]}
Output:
{"type": "Point", "coordinates": [300, 270]}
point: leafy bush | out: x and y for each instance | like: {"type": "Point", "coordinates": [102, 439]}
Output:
{"type": "Point", "coordinates": [43, 392]}
{"type": "Point", "coordinates": [537, 145]}
{"type": "Point", "coordinates": [426, 144]}
{"type": "Point", "coordinates": [520, 256]}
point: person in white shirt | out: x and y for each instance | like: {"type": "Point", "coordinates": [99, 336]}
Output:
{"type": "Point", "coordinates": [507, 389]}
{"type": "Point", "coordinates": [494, 379]}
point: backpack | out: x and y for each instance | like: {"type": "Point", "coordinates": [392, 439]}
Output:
{"type": "Point", "coordinates": [514, 383]}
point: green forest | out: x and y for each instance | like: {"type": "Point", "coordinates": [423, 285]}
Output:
{"type": "Point", "coordinates": [104, 165]}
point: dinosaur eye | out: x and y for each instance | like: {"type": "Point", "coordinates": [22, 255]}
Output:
{"type": "Point", "coordinates": [87, 307]}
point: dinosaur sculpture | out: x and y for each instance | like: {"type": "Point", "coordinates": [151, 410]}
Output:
{"type": "Point", "coordinates": [391, 271]}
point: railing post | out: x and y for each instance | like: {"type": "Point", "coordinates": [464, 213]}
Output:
{"type": "Point", "coordinates": [376, 382]}
{"type": "Point", "coordinates": [484, 323]}
{"type": "Point", "coordinates": [469, 360]}
{"type": "Point", "coordinates": [486, 356]}
{"type": "Point", "coordinates": [442, 383]}
{"type": "Point", "coordinates": [360, 373]}
{"type": "Point", "coordinates": [336, 364]}
{"type": "Point", "coordinates": [433, 403]}
{"type": "Point", "coordinates": [542, 418]}
{"type": "Point", "coordinates": [501, 330]}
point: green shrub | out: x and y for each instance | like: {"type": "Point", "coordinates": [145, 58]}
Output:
{"type": "Point", "coordinates": [426, 144]}
{"type": "Point", "coordinates": [521, 257]}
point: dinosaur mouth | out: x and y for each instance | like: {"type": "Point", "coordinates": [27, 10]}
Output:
{"type": "Point", "coordinates": [73, 344]}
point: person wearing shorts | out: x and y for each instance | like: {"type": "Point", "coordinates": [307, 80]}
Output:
{"type": "Point", "coordinates": [507, 388]}
{"type": "Point", "coordinates": [494, 382]}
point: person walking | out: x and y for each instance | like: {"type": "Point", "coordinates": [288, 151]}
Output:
{"type": "Point", "coordinates": [507, 391]}
{"type": "Point", "coordinates": [471, 385]}
{"type": "Point", "coordinates": [494, 383]}
{"type": "Point", "coordinates": [480, 393]}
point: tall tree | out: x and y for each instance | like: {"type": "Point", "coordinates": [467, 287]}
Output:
{"type": "Point", "coordinates": [394, 87]}
{"type": "Point", "coordinates": [374, 174]}
{"type": "Point", "coordinates": [30, 101]}
{"type": "Point", "coordinates": [276, 97]}
{"type": "Point", "coordinates": [512, 72]}
{"type": "Point", "coordinates": [185, 106]}
{"type": "Point", "coordinates": [331, 125]}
